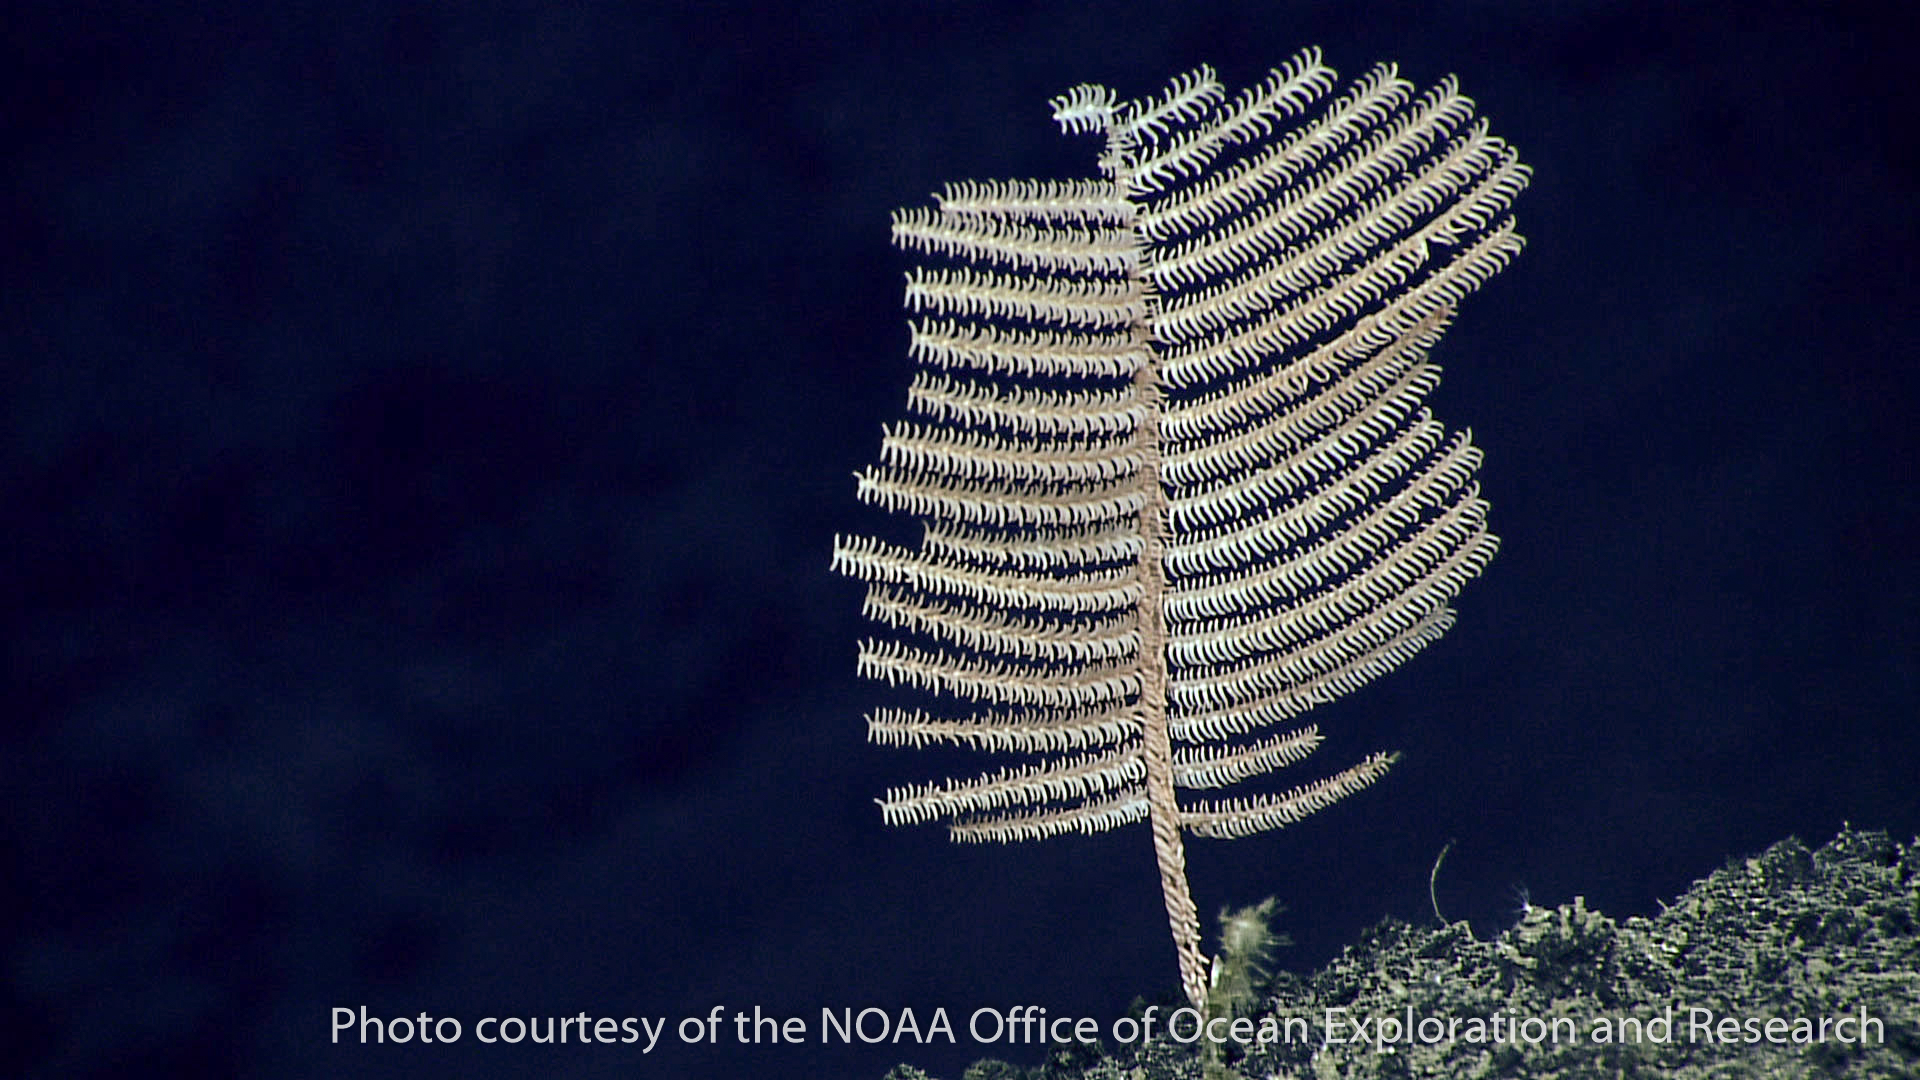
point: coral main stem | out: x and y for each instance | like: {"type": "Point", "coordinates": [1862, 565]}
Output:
{"type": "Point", "coordinates": [1163, 808]}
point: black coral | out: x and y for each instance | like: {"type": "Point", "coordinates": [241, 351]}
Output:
{"type": "Point", "coordinates": [1177, 481]}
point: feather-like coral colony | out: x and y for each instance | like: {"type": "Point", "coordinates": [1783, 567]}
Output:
{"type": "Point", "coordinates": [1171, 455]}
